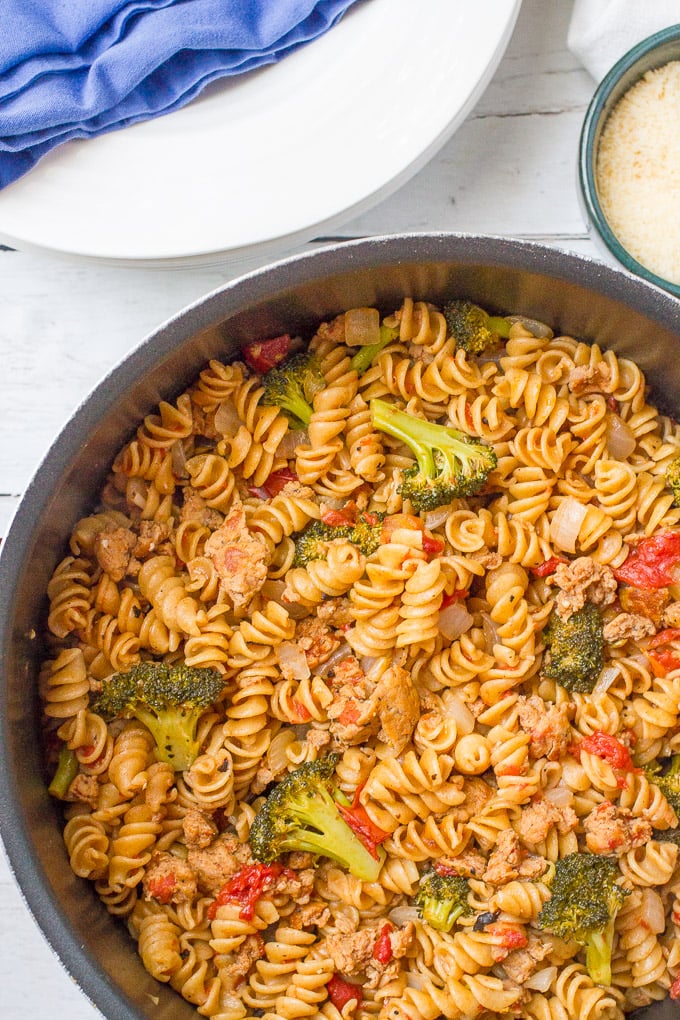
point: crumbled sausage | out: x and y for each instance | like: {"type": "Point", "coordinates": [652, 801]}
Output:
{"type": "Point", "coordinates": [398, 707]}
{"type": "Point", "coordinates": [521, 963]}
{"type": "Point", "coordinates": [152, 535]}
{"type": "Point", "coordinates": [582, 580]}
{"type": "Point", "coordinates": [612, 830]}
{"type": "Point", "coordinates": [353, 712]}
{"type": "Point", "coordinates": [316, 640]}
{"type": "Point", "coordinates": [169, 879]}
{"type": "Point", "coordinates": [113, 548]}
{"type": "Point", "coordinates": [547, 725]}
{"type": "Point", "coordinates": [241, 962]}
{"type": "Point", "coordinates": [84, 788]}
{"type": "Point", "coordinates": [627, 627]}
{"type": "Point", "coordinates": [199, 830]}
{"type": "Point", "coordinates": [239, 558]}
{"type": "Point", "coordinates": [671, 616]}
{"type": "Point", "coordinates": [313, 915]}
{"type": "Point", "coordinates": [477, 794]}
{"type": "Point", "coordinates": [296, 885]}
{"type": "Point", "coordinates": [590, 379]}
{"type": "Point", "coordinates": [538, 818]}
{"type": "Point", "coordinates": [504, 859]}
{"type": "Point", "coordinates": [194, 508]}
{"type": "Point", "coordinates": [215, 864]}
{"type": "Point", "coordinates": [469, 864]}
{"type": "Point", "coordinates": [335, 612]}
{"type": "Point", "coordinates": [352, 953]}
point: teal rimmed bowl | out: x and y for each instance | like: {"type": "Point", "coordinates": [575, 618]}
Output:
{"type": "Point", "coordinates": [653, 52]}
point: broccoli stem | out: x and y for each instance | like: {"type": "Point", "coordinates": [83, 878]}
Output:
{"type": "Point", "coordinates": [423, 437]}
{"type": "Point", "coordinates": [366, 355]}
{"type": "Point", "coordinates": [333, 839]}
{"type": "Point", "coordinates": [67, 770]}
{"type": "Point", "coordinates": [599, 955]}
{"type": "Point", "coordinates": [174, 732]}
{"type": "Point", "coordinates": [441, 914]}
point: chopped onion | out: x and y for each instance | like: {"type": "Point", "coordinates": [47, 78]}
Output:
{"type": "Point", "coordinates": [403, 914]}
{"type": "Point", "coordinates": [566, 524]}
{"type": "Point", "coordinates": [541, 980]}
{"type": "Point", "coordinates": [491, 636]}
{"type": "Point", "coordinates": [653, 917]}
{"type": "Point", "coordinates": [227, 420]}
{"type": "Point", "coordinates": [436, 517]}
{"type": "Point", "coordinates": [620, 439]}
{"type": "Point", "coordinates": [535, 327]}
{"type": "Point", "coordinates": [362, 326]}
{"type": "Point", "coordinates": [606, 679]}
{"type": "Point", "coordinates": [293, 661]}
{"type": "Point", "coordinates": [136, 492]}
{"type": "Point", "coordinates": [454, 621]}
{"type": "Point", "coordinates": [179, 459]}
{"type": "Point", "coordinates": [292, 439]}
{"type": "Point", "coordinates": [338, 655]}
{"type": "Point", "coordinates": [560, 795]}
{"type": "Point", "coordinates": [455, 708]}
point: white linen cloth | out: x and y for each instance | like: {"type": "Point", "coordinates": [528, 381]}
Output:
{"type": "Point", "coordinates": [601, 31]}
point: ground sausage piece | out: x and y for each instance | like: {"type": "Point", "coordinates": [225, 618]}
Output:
{"type": "Point", "coordinates": [582, 580]}
{"type": "Point", "coordinates": [538, 818]}
{"type": "Point", "coordinates": [199, 830]}
{"type": "Point", "coordinates": [316, 640]}
{"type": "Point", "coordinates": [239, 558]}
{"type": "Point", "coordinates": [612, 830]}
{"type": "Point", "coordinates": [169, 879]}
{"type": "Point", "coordinates": [297, 886]}
{"type": "Point", "coordinates": [352, 954]}
{"type": "Point", "coordinates": [627, 627]}
{"type": "Point", "coordinates": [504, 860]}
{"type": "Point", "coordinates": [195, 509]}
{"type": "Point", "coordinates": [335, 612]}
{"type": "Point", "coordinates": [671, 616]}
{"type": "Point", "coordinates": [469, 864]}
{"type": "Point", "coordinates": [521, 963]}
{"type": "Point", "coordinates": [353, 711]}
{"type": "Point", "coordinates": [241, 962]}
{"type": "Point", "coordinates": [152, 534]}
{"type": "Point", "coordinates": [398, 707]}
{"type": "Point", "coordinates": [547, 725]}
{"type": "Point", "coordinates": [477, 794]}
{"type": "Point", "coordinates": [113, 548]}
{"type": "Point", "coordinates": [590, 379]}
{"type": "Point", "coordinates": [216, 864]}
{"type": "Point", "coordinates": [84, 788]}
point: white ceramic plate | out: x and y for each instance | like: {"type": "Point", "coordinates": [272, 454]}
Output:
{"type": "Point", "coordinates": [279, 155]}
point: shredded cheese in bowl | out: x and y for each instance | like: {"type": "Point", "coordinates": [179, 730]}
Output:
{"type": "Point", "coordinates": [638, 171]}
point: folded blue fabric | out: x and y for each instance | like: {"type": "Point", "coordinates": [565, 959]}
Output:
{"type": "Point", "coordinates": [77, 68]}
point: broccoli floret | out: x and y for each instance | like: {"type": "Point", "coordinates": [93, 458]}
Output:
{"type": "Point", "coordinates": [472, 328]}
{"type": "Point", "coordinates": [442, 899]}
{"type": "Point", "coordinates": [169, 700]}
{"type": "Point", "coordinates": [301, 814]}
{"type": "Point", "coordinates": [667, 835]}
{"type": "Point", "coordinates": [449, 463]}
{"type": "Point", "coordinates": [673, 479]}
{"type": "Point", "coordinates": [584, 901]}
{"type": "Point", "coordinates": [366, 355]}
{"type": "Point", "coordinates": [666, 775]}
{"type": "Point", "coordinates": [311, 542]}
{"type": "Point", "coordinates": [67, 770]}
{"type": "Point", "coordinates": [292, 385]}
{"type": "Point", "coordinates": [576, 649]}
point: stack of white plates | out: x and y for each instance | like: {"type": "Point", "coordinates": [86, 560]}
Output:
{"type": "Point", "coordinates": [274, 158]}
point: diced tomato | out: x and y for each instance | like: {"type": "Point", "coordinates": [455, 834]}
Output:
{"type": "Point", "coordinates": [246, 887]}
{"type": "Point", "coordinates": [455, 596]}
{"type": "Point", "coordinates": [261, 355]}
{"type": "Point", "coordinates": [339, 518]}
{"type": "Point", "coordinates": [548, 567]}
{"type": "Point", "coordinates": [349, 714]}
{"type": "Point", "coordinates": [371, 519]}
{"type": "Point", "coordinates": [444, 869]}
{"type": "Point", "coordinates": [340, 992]}
{"type": "Point", "coordinates": [469, 421]}
{"type": "Point", "coordinates": [433, 545]}
{"type": "Point", "coordinates": [675, 989]}
{"type": "Point", "coordinates": [664, 637]}
{"type": "Point", "coordinates": [301, 711]}
{"type": "Point", "coordinates": [361, 825]}
{"type": "Point", "coordinates": [649, 565]}
{"type": "Point", "coordinates": [278, 481]}
{"type": "Point", "coordinates": [382, 950]}
{"type": "Point", "coordinates": [509, 936]}
{"type": "Point", "coordinates": [162, 888]}
{"type": "Point", "coordinates": [663, 662]}
{"type": "Point", "coordinates": [603, 745]}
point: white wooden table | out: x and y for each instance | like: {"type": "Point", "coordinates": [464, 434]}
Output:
{"type": "Point", "coordinates": [509, 170]}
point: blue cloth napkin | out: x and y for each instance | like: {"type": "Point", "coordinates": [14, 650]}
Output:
{"type": "Point", "coordinates": [77, 68]}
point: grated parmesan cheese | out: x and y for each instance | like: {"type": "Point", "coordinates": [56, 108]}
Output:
{"type": "Point", "coordinates": [638, 171]}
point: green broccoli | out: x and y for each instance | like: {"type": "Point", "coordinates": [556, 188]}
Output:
{"type": "Point", "coordinates": [310, 544]}
{"type": "Point", "coordinates": [169, 700]}
{"type": "Point", "coordinates": [449, 463]}
{"type": "Point", "coordinates": [472, 328]}
{"type": "Point", "coordinates": [66, 772]}
{"type": "Point", "coordinates": [301, 814]}
{"type": "Point", "coordinates": [673, 479]}
{"type": "Point", "coordinates": [292, 385]}
{"type": "Point", "coordinates": [366, 355]}
{"type": "Point", "coordinates": [582, 908]}
{"type": "Point", "coordinates": [666, 775]}
{"type": "Point", "coordinates": [576, 649]}
{"type": "Point", "coordinates": [442, 899]}
{"type": "Point", "coordinates": [667, 835]}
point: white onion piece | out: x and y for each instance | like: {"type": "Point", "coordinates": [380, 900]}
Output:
{"type": "Point", "coordinates": [606, 679]}
{"type": "Point", "coordinates": [454, 621]}
{"type": "Point", "coordinates": [362, 326]}
{"type": "Point", "coordinates": [293, 660]}
{"type": "Point", "coordinates": [653, 916]}
{"type": "Point", "coordinates": [179, 459]}
{"type": "Point", "coordinates": [620, 439]}
{"type": "Point", "coordinates": [560, 796]}
{"type": "Point", "coordinates": [541, 980]}
{"type": "Point", "coordinates": [338, 655]}
{"type": "Point", "coordinates": [566, 524]}
{"type": "Point", "coordinates": [403, 914]}
{"type": "Point", "coordinates": [535, 327]}
{"type": "Point", "coordinates": [456, 709]}
{"type": "Point", "coordinates": [135, 492]}
{"type": "Point", "coordinates": [491, 635]}
{"type": "Point", "coordinates": [227, 420]}
{"type": "Point", "coordinates": [436, 517]}
{"type": "Point", "coordinates": [292, 439]}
